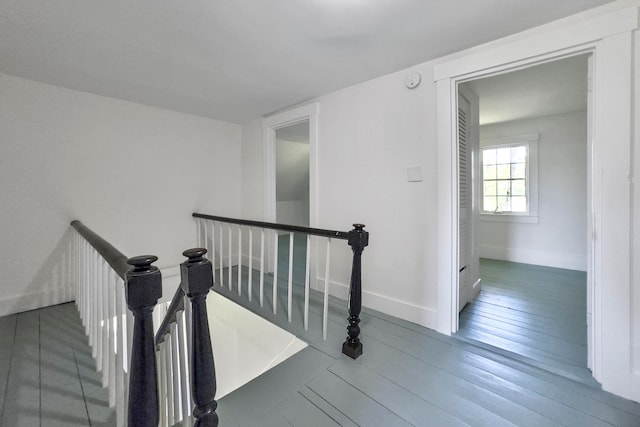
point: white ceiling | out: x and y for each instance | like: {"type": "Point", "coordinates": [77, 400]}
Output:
{"type": "Point", "coordinates": [236, 60]}
{"type": "Point", "coordinates": [553, 88]}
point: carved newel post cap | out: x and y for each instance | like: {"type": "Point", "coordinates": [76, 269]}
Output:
{"type": "Point", "coordinates": [142, 262]}
{"type": "Point", "coordinates": [194, 254]}
{"type": "Point", "coordinates": [143, 287]}
{"type": "Point", "coordinates": [196, 273]}
{"type": "Point", "coordinates": [358, 237]}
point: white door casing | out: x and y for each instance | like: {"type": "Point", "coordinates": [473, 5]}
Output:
{"type": "Point", "coordinates": [270, 124]}
{"type": "Point", "coordinates": [608, 37]}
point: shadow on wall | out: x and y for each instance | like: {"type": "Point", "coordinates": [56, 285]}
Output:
{"type": "Point", "coordinates": [52, 284]}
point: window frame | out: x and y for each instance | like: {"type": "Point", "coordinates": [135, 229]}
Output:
{"type": "Point", "coordinates": [531, 179]}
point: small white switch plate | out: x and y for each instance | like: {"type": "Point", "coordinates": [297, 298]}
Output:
{"type": "Point", "coordinates": [414, 174]}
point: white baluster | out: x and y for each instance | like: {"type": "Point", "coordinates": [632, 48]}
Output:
{"type": "Point", "coordinates": [250, 278]}
{"type": "Point", "coordinates": [97, 307]}
{"type": "Point", "coordinates": [93, 311]}
{"type": "Point", "coordinates": [120, 353]}
{"type": "Point", "coordinates": [104, 306]}
{"type": "Point", "coordinates": [230, 258]}
{"type": "Point", "coordinates": [290, 284]}
{"type": "Point", "coordinates": [212, 252]}
{"type": "Point", "coordinates": [275, 273]}
{"type": "Point", "coordinates": [306, 284]}
{"type": "Point", "coordinates": [169, 371]}
{"type": "Point", "coordinates": [162, 384]}
{"type": "Point", "coordinates": [327, 271]}
{"type": "Point", "coordinates": [111, 319]}
{"type": "Point", "coordinates": [239, 260]}
{"type": "Point", "coordinates": [127, 341]}
{"type": "Point", "coordinates": [221, 256]}
{"type": "Point", "coordinates": [261, 267]}
{"type": "Point", "coordinates": [204, 234]}
{"type": "Point", "coordinates": [184, 367]}
{"type": "Point", "coordinates": [175, 363]}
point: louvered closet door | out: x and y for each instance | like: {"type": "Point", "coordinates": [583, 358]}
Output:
{"type": "Point", "coordinates": [464, 202]}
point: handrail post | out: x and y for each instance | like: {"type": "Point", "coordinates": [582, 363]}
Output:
{"type": "Point", "coordinates": [143, 290]}
{"type": "Point", "coordinates": [358, 240]}
{"type": "Point", "coordinates": [197, 278]}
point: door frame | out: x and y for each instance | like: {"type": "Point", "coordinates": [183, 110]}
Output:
{"type": "Point", "coordinates": [270, 124]}
{"type": "Point", "coordinates": [277, 121]}
{"type": "Point", "coordinates": [608, 38]}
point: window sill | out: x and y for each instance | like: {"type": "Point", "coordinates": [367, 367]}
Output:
{"type": "Point", "coordinates": [506, 217]}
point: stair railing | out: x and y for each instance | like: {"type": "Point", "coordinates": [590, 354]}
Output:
{"type": "Point", "coordinates": [122, 341]}
{"type": "Point", "coordinates": [217, 233]}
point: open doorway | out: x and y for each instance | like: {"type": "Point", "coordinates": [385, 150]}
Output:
{"type": "Point", "coordinates": [531, 210]}
{"type": "Point", "coordinates": [292, 174]}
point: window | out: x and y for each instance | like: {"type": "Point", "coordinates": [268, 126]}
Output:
{"type": "Point", "coordinates": [509, 178]}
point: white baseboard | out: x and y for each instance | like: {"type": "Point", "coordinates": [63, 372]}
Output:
{"type": "Point", "coordinates": [535, 257]}
{"type": "Point", "coordinates": [44, 298]}
{"type": "Point", "coordinates": [422, 316]}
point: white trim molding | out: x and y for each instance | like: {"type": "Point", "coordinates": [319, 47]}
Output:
{"type": "Point", "coordinates": [606, 34]}
{"type": "Point", "coordinates": [272, 123]}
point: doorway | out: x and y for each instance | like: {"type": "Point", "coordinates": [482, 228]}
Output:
{"type": "Point", "coordinates": [290, 164]}
{"type": "Point", "coordinates": [292, 174]}
{"type": "Point", "coordinates": [608, 36]}
{"type": "Point", "coordinates": [531, 213]}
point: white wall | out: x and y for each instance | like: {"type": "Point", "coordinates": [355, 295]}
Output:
{"type": "Point", "coordinates": [559, 239]}
{"type": "Point", "coordinates": [132, 173]}
{"type": "Point", "coordinates": [368, 135]}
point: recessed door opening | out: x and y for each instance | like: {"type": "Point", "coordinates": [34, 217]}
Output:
{"type": "Point", "coordinates": [292, 174]}
{"type": "Point", "coordinates": [525, 220]}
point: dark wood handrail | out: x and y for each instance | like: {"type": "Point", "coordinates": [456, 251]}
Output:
{"type": "Point", "coordinates": [344, 235]}
{"type": "Point", "coordinates": [116, 259]}
{"type": "Point", "coordinates": [177, 304]}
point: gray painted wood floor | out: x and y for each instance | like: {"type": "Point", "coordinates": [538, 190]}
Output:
{"type": "Point", "coordinates": [408, 375]}
{"type": "Point", "coordinates": [536, 313]}
{"type": "Point", "coordinates": [47, 375]}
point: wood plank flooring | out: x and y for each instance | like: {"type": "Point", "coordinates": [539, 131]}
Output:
{"type": "Point", "coordinates": [537, 313]}
{"type": "Point", "coordinates": [408, 376]}
{"type": "Point", "coordinates": [47, 375]}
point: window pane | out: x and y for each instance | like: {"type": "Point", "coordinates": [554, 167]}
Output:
{"type": "Point", "coordinates": [518, 170]}
{"type": "Point", "coordinates": [504, 171]}
{"type": "Point", "coordinates": [504, 204]}
{"type": "Point", "coordinates": [489, 204]}
{"type": "Point", "coordinates": [519, 204]}
{"type": "Point", "coordinates": [518, 154]}
{"type": "Point", "coordinates": [504, 188]}
{"type": "Point", "coordinates": [503, 155]}
{"type": "Point", "coordinates": [490, 188]}
{"type": "Point", "coordinates": [489, 157]}
{"type": "Point", "coordinates": [489, 172]}
{"type": "Point", "coordinates": [518, 187]}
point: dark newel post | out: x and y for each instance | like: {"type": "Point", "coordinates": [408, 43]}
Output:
{"type": "Point", "coordinates": [197, 279]}
{"type": "Point", "coordinates": [358, 240]}
{"type": "Point", "coordinates": [143, 290]}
